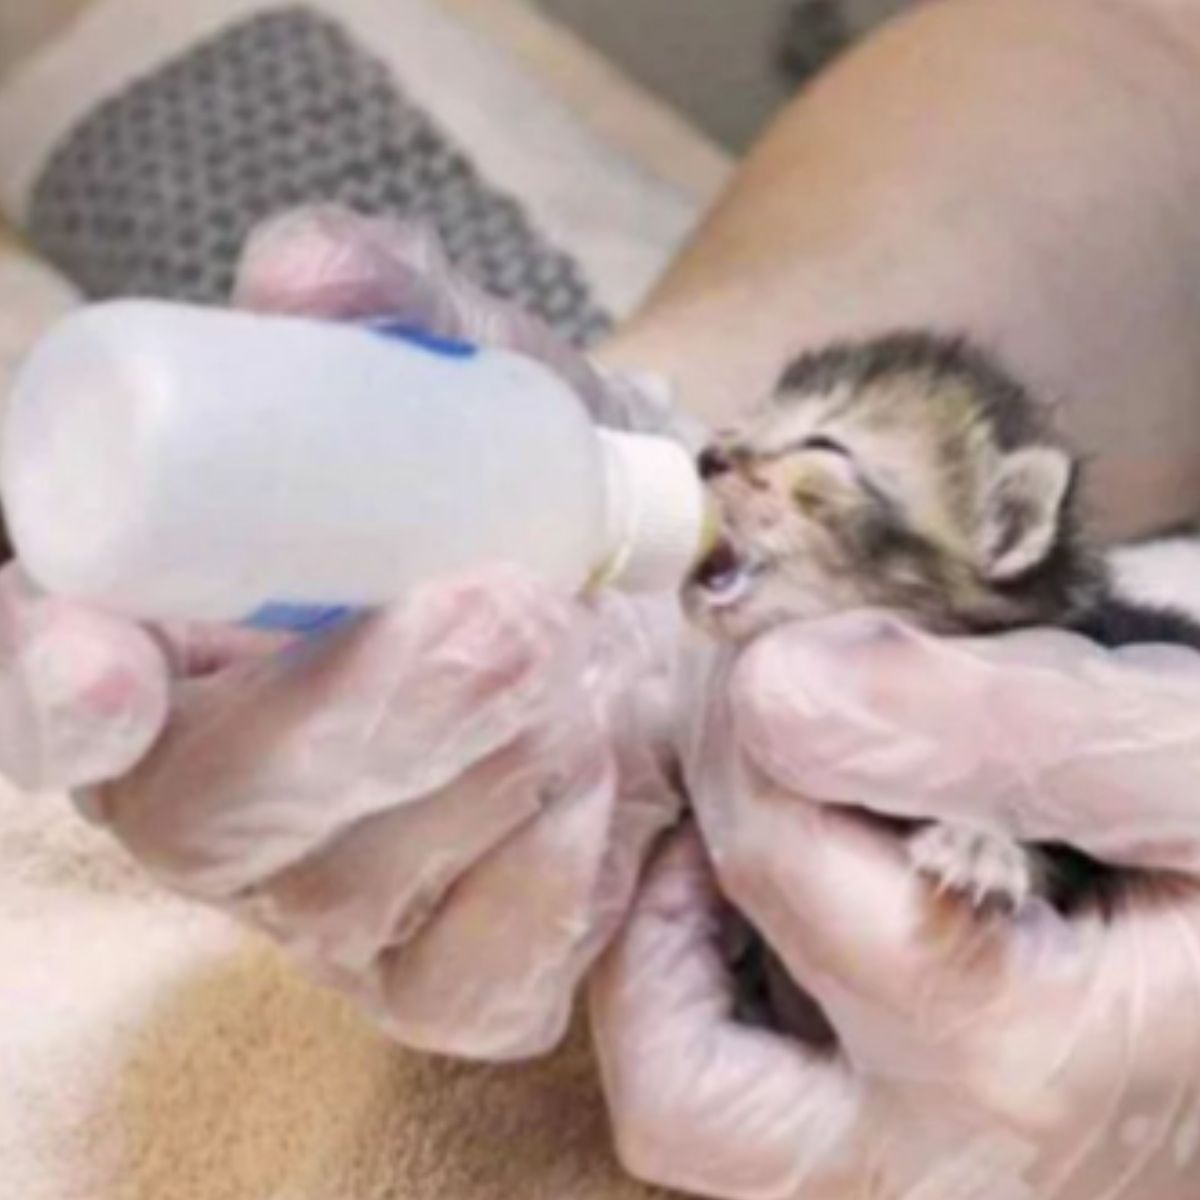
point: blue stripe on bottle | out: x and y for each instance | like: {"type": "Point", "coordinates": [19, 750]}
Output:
{"type": "Point", "coordinates": [298, 618]}
{"type": "Point", "coordinates": [444, 347]}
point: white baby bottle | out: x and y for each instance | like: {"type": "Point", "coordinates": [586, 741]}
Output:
{"type": "Point", "coordinates": [169, 461]}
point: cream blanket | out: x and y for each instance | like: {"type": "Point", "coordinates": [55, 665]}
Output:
{"type": "Point", "coordinates": [150, 1050]}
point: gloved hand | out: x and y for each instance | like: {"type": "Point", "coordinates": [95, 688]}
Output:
{"type": "Point", "coordinates": [441, 808]}
{"type": "Point", "coordinates": [974, 1056]}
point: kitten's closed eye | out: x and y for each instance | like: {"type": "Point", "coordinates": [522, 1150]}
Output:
{"type": "Point", "coordinates": [819, 441]}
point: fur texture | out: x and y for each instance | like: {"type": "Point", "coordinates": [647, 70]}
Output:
{"type": "Point", "coordinates": [912, 472]}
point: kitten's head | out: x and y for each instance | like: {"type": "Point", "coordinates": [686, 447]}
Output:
{"type": "Point", "coordinates": [907, 473]}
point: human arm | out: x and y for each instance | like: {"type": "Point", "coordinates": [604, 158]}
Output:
{"type": "Point", "coordinates": [1020, 172]}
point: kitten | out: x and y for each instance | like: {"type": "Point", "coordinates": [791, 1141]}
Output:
{"type": "Point", "coordinates": [910, 472]}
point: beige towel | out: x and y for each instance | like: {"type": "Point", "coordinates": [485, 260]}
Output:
{"type": "Point", "coordinates": [149, 1050]}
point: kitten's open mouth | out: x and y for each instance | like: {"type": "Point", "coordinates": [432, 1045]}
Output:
{"type": "Point", "coordinates": [724, 574]}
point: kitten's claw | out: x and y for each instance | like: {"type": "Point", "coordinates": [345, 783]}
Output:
{"type": "Point", "coordinates": [988, 869]}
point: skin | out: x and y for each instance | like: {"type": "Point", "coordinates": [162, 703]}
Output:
{"type": "Point", "coordinates": [921, 183]}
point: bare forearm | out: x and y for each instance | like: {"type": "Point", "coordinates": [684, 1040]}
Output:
{"type": "Point", "coordinates": [1023, 172]}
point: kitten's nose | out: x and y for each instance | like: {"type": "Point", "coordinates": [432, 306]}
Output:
{"type": "Point", "coordinates": [713, 461]}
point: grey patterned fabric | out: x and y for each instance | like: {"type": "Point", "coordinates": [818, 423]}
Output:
{"type": "Point", "coordinates": [155, 191]}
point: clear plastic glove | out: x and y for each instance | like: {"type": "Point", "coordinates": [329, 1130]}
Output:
{"type": "Point", "coordinates": [975, 1057]}
{"type": "Point", "coordinates": [441, 808]}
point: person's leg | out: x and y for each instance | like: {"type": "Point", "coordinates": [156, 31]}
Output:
{"type": "Point", "coordinates": [1025, 173]}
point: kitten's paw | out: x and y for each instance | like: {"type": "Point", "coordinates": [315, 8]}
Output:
{"type": "Point", "coordinates": [986, 868]}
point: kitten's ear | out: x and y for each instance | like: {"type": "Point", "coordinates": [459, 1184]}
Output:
{"type": "Point", "coordinates": [1024, 510]}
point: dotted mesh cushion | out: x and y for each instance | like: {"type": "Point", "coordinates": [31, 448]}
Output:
{"type": "Point", "coordinates": [155, 191]}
